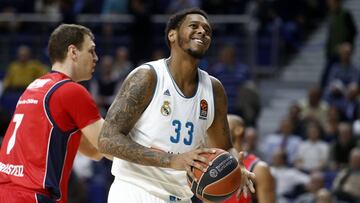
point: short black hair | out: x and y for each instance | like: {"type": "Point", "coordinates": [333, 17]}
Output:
{"type": "Point", "coordinates": [178, 18]}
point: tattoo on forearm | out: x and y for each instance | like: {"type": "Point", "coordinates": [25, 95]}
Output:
{"type": "Point", "coordinates": [127, 108]}
{"type": "Point", "coordinates": [131, 151]}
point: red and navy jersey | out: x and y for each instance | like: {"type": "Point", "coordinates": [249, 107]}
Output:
{"type": "Point", "coordinates": [43, 137]}
{"type": "Point", "coordinates": [250, 162]}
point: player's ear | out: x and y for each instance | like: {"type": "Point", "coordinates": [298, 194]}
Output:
{"type": "Point", "coordinates": [172, 36]}
{"type": "Point", "coordinates": [72, 51]}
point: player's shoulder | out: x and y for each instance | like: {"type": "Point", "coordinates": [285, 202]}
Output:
{"type": "Point", "coordinates": [214, 79]}
{"type": "Point", "coordinates": [218, 88]}
{"type": "Point", "coordinates": [261, 167]}
{"type": "Point", "coordinates": [72, 89]}
{"type": "Point", "coordinates": [73, 86]}
{"type": "Point", "coordinates": [155, 63]}
{"type": "Point", "coordinates": [145, 71]}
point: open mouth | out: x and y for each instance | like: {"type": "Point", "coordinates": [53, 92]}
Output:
{"type": "Point", "coordinates": [198, 41]}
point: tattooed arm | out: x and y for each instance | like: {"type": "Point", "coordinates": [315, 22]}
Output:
{"type": "Point", "coordinates": [133, 98]}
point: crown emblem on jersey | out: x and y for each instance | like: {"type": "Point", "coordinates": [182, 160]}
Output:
{"type": "Point", "coordinates": [167, 93]}
{"type": "Point", "coordinates": [203, 109]}
{"type": "Point", "coordinates": [165, 108]}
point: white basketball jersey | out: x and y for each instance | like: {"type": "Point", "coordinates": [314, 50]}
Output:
{"type": "Point", "coordinates": [171, 123]}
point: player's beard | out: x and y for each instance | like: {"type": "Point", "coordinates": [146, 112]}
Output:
{"type": "Point", "coordinates": [196, 54]}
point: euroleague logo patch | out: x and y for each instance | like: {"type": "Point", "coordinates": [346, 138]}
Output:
{"type": "Point", "coordinates": [203, 109]}
{"type": "Point", "coordinates": [213, 173]}
{"type": "Point", "coordinates": [165, 108]}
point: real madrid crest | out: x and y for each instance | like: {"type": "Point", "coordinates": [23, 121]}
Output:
{"type": "Point", "coordinates": [165, 108]}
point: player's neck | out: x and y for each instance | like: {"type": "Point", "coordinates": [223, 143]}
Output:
{"type": "Point", "coordinates": [62, 68]}
{"type": "Point", "coordinates": [184, 74]}
{"type": "Point", "coordinates": [182, 69]}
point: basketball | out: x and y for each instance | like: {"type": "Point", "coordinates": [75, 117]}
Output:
{"type": "Point", "coordinates": [220, 180]}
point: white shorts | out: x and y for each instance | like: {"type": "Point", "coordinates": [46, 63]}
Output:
{"type": "Point", "coordinates": [122, 191]}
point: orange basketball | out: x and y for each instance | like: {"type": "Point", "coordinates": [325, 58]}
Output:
{"type": "Point", "coordinates": [220, 180]}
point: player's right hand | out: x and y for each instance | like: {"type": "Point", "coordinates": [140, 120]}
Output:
{"type": "Point", "coordinates": [191, 159]}
{"type": "Point", "coordinates": [247, 178]}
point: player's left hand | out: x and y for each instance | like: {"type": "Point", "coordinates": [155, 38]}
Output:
{"type": "Point", "coordinates": [247, 178]}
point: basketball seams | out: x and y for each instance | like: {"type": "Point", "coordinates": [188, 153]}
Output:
{"type": "Point", "coordinates": [202, 174]}
{"type": "Point", "coordinates": [223, 175]}
{"type": "Point", "coordinates": [229, 174]}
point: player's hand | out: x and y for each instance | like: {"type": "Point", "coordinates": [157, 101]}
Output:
{"type": "Point", "coordinates": [247, 178]}
{"type": "Point", "coordinates": [191, 159]}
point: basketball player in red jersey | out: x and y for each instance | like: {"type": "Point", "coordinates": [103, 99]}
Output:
{"type": "Point", "coordinates": [264, 181]}
{"type": "Point", "coordinates": [44, 135]}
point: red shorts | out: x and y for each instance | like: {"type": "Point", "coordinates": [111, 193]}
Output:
{"type": "Point", "coordinates": [9, 195]}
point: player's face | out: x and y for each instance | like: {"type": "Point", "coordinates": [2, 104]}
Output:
{"type": "Point", "coordinates": [194, 35]}
{"type": "Point", "coordinates": [87, 59]}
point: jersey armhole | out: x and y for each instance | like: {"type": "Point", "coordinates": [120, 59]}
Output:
{"type": "Point", "coordinates": [212, 103]}
{"type": "Point", "coordinates": [48, 97]}
{"type": "Point", "coordinates": [252, 167]}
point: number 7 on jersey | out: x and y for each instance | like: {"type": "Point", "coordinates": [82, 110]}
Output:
{"type": "Point", "coordinates": [17, 119]}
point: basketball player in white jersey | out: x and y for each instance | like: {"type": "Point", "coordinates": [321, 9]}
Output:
{"type": "Point", "coordinates": [164, 114]}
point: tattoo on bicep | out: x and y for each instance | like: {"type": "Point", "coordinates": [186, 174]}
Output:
{"type": "Point", "coordinates": [130, 102]}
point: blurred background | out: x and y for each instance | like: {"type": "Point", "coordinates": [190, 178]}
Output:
{"type": "Point", "coordinates": [290, 69]}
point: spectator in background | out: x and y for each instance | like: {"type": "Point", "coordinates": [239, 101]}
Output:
{"type": "Point", "coordinates": [23, 70]}
{"type": "Point", "coordinates": [234, 76]}
{"type": "Point", "coordinates": [48, 7]}
{"type": "Point", "coordinates": [288, 179]}
{"type": "Point", "coordinates": [294, 114]}
{"type": "Point", "coordinates": [331, 127]}
{"type": "Point", "coordinates": [341, 29]}
{"type": "Point", "coordinates": [317, 182]}
{"type": "Point", "coordinates": [342, 85]}
{"type": "Point", "coordinates": [107, 37]}
{"type": "Point", "coordinates": [323, 196]}
{"type": "Point", "coordinates": [347, 183]}
{"type": "Point", "coordinates": [19, 75]}
{"type": "Point", "coordinates": [344, 70]}
{"type": "Point", "coordinates": [293, 18]}
{"type": "Point", "coordinates": [105, 86]}
{"type": "Point", "coordinates": [122, 64]}
{"type": "Point", "coordinates": [284, 140]}
{"type": "Point", "coordinates": [248, 103]}
{"type": "Point", "coordinates": [313, 107]}
{"type": "Point", "coordinates": [340, 149]}
{"type": "Point", "coordinates": [349, 106]}
{"type": "Point", "coordinates": [312, 153]}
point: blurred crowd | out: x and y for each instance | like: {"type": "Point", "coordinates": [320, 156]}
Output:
{"type": "Point", "coordinates": [314, 154]}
